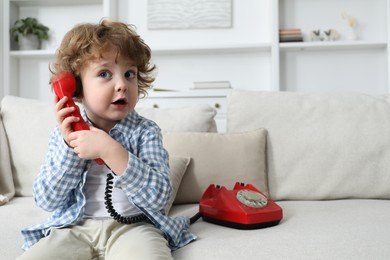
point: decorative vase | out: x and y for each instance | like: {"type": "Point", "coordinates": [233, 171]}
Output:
{"type": "Point", "coordinates": [351, 34]}
{"type": "Point", "coordinates": [29, 42]}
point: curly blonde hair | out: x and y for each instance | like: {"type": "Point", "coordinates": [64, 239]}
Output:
{"type": "Point", "coordinates": [88, 41]}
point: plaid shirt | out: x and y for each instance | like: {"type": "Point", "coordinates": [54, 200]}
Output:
{"type": "Point", "coordinates": [146, 182]}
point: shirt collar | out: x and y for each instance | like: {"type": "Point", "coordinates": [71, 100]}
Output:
{"type": "Point", "coordinates": [123, 126]}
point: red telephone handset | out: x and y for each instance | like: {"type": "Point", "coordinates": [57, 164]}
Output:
{"type": "Point", "coordinates": [65, 85]}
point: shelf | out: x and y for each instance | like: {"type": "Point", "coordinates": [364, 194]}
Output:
{"type": "Point", "coordinates": [54, 3]}
{"type": "Point", "coordinates": [212, 49]}
{"type": "Point", "coordinates": [163, 51]}
{"type": "Point", "coordinates": [335, 45]}
{"type": "Point", "coordinates": [189, 93]}
{"type": "Point", "coordinates": [33, 54]}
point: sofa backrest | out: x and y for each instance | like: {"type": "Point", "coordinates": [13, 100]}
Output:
{"type": "Point", "coordinates": [319, 146]}
{"type": "Point", "coordinates": [28, 124]}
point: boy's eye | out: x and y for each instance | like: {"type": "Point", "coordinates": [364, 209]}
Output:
{"type": "Point", "coordinates": [130, 74]}
{"type": "Point", "coordinates": [104, 74]}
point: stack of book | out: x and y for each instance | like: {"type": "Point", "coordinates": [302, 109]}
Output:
{"type": "Point", "coordinates": [290, 35]}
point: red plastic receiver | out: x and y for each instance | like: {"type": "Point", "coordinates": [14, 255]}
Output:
{"type": "Point", "coordinates": [65, 85]}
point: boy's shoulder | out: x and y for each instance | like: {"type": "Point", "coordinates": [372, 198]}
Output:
{"type": "Point", "coordinates": [134, 120]}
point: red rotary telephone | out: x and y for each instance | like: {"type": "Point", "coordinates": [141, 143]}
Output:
{"type": "Point", "coordinates": [244, 207]}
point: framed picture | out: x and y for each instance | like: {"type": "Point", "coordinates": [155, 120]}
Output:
{"type": "Point", "coordinates": [187, 14]}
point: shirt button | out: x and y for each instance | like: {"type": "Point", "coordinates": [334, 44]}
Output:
{"type": "Point", "coordinates": [113, 132]}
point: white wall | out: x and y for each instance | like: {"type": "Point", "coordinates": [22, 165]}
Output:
{"type": "Point", "coordinates": [251, 24]}
{"type": "Point", "coordinates": [335, 71]}
{"type": "Point", "coordinates": [244, 69]}
{"type": "Point", "coordinates": [61, 21]}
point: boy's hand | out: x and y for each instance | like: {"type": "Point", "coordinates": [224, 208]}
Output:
{"type": "Point", "coordinates": [63, 119]}
{"type": "Point", "coordinates": [98, 144]}
{"type": "Point", "coordinates": [90, 144]}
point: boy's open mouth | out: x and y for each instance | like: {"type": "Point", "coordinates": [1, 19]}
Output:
{"type": "Point", "coordinates": [120, 101]}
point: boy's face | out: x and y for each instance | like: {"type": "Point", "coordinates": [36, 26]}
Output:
{"type": "Point", "coordinates": [110, 89]}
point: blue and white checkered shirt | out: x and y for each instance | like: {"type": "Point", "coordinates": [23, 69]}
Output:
{"type": "Point", "coordinates": [146, 182]}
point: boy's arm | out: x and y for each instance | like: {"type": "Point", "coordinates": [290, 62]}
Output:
{"type": "Point", "coordinates": [116, 157]}
{"type": "Point", "coordinates": [59, 176]}
{"type": "Point", "coordinates": [146, 179]}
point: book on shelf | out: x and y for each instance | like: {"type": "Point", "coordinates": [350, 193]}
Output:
{"type": "Point", "coordinates": [290, 35]}
{"type": "Point", "coordinates": [290, 31]}
{"type": "Point", "coordinates": [291, 38]}
{"type": "Point", "coordinates": [211, 85]}
{"type": "Point", "coordinates": [163, 89]}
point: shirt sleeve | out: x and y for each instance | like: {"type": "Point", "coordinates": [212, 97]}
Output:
{"type": "Point", "coordinates": [59, 176]}
{"type": "Point", "coordinates": [146, 180]}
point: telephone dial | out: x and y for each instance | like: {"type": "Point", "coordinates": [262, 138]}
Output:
{"type": "Point", "coordinates": [244, 207]}
{"type": "Point", "coordinates": [65, 85]}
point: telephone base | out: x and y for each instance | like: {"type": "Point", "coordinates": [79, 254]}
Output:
{"type": "Point", "coordinates": [244, 207]}
{"type": "Point", "coordinates": [240, 225]}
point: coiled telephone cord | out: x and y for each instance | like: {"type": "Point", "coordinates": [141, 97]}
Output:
{"type": "Point", "coordinates": [110, 208]}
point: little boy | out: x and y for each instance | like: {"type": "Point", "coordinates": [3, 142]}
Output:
{"type": "Point", "coordinates": [112, 66]}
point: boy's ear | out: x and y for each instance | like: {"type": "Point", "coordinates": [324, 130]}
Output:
{"type": "Point", "coordinates": [79, 88]}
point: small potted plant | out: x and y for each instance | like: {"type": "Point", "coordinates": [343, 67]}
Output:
{"type": "Point", "coordinates": [29, 33]}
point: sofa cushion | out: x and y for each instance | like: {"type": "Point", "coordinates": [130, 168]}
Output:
{"type": "Point", "coordinates": [321, 230]}
{"type": "Point", "coordinates": [320, 146]}
{"type": "Point", "coordinates": [218, 158]}
{"type": "Point", "coordinates": [28, 124]}
{"type": "Point", "coordinates": [178, 166]}
{"type": "Point", "coordinates": [185, 119]}
{"type": "Point", "coordinates": [7, 188]}
{"type": "Point", "coordinates": [20, 212]}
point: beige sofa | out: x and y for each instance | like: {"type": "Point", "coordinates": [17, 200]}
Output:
{"type": "Point", "coordinates": [324, 158]}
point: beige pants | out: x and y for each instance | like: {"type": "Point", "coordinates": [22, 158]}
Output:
{"type": "Point", "coordinates": [101, 239]}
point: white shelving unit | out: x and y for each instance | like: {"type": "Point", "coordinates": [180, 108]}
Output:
{"type": "Point", "coordinates": [249, 54]}
{"type": "Point", "coordinates": [343, 65]}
